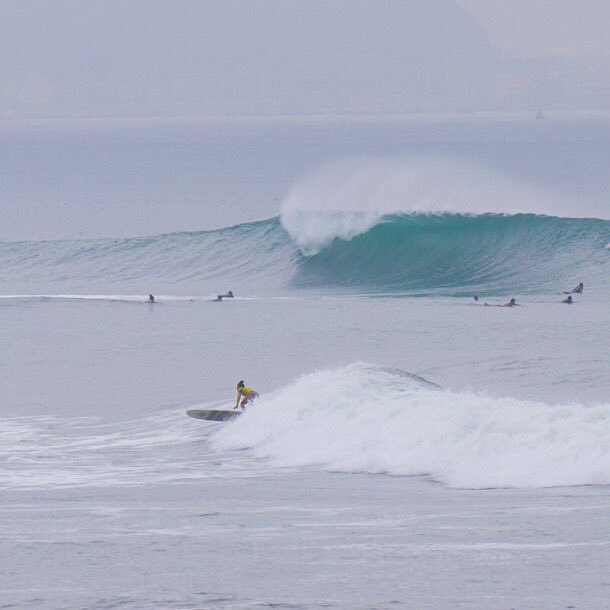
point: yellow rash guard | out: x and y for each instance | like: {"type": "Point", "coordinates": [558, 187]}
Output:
{"type": "Point", "coordinates": [244, 392]}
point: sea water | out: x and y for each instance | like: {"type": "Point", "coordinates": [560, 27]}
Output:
{"type": "Point", "coordinates": [411, 448]}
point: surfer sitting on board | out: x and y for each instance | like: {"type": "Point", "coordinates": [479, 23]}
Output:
{"type": "Point", "coordinates": [246, 394]}
{"type": "Point", "coordinates": [220, 297]}
{"type": "Point", "coordinates": [577, 290]}
{"type": "Point", "coordinates": [151, 298]}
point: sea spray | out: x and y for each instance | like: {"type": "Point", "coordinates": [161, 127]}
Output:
{"type": "Point", "coordinates": [348, 197]}
{"type": "Point", "coordinates": [364, 418]}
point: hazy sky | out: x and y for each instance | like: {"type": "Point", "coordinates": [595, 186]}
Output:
{"type": "Point", "coordinates": [570, 28]}
{"type": "Point", "coordinates": [202, 58]}
{"type": "Point", "coordinates": [186, 57]}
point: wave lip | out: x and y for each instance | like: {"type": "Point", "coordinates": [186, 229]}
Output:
{"type": "Point", "coordinates": [348, 197]}
{"type": "Point", "coordinates": [363, 418]}
{"type": "Point", "coordinates": [313, 231]}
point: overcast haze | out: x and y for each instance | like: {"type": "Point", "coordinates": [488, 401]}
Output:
{"type": "Point", "coordinates": [570, 29]}
{"type": "Point", "coordinates": [234, 57]}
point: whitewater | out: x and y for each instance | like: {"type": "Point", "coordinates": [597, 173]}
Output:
{"type": "Point", "coordinates": [411, 448]}
{"type": "Point", "coordinates": [374, 420]}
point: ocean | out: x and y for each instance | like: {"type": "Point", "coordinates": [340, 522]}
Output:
{"type": "Point", "coordinates": [411, 447]}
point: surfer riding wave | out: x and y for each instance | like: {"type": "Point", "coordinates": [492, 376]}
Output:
{"type": "Point", "coordinates": [245, 394]}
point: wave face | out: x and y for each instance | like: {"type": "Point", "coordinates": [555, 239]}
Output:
{"type": "Point", "coordinates": [249, 253]}
{"type": "Point", "coordinates": [446, 253]}
{"type": "Point", "coordinates": [363, 418]}
{"type": "Point", "coordinates": [453, 253]}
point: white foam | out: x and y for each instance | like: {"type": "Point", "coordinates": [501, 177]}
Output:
{"type": "Point", "coordinates": [79, 297]}
{"type": "Point", "coordinates": [312, 230]}
{"type": "Point", "coordinates": [349, 197]}
{"type": "Point", "coordinates": [365, 419]}
{"type": "Point", "coordinates": [122, 298]}
{"type": "Point", "coordinates": [55, 453]}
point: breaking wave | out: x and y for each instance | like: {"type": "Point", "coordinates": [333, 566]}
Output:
{"type": "Point", "coordinates": [443, 253]}
{"type": "Point", "coordinates": [453, 253]}
{"type": "Point", "coordinates": [364, 418]}
{"type": "Point", "coordinates": [419, 226]}
{"type": "Point", "coordinates": [359, 418]}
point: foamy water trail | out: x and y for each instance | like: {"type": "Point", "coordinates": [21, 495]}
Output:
{"type": "Point", "coordinates": [362, 418]}
{"type": "Point", "coordinates": [58, 452]}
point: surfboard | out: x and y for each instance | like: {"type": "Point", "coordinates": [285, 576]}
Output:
{"type": "Point", "coordinates": [213, 415]}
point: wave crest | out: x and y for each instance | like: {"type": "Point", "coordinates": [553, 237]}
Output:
{"type": "Point", "coordinates": [349, 197]}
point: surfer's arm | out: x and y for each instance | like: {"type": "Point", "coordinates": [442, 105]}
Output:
{"type": "Point", "coordinates": [237, 402]}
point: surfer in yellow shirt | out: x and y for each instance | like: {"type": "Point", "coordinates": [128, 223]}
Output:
{"type": "Point", "coordinates": [245, 394]}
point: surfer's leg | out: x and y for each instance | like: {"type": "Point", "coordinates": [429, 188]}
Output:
{"type": "Point", "coordinates": [249, 398]}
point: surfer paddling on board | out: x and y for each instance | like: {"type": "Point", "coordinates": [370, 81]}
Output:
{"type": "Point", "coordinates": [511, 303]}
{"type": "Point", "coordinates": [245, 394]}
